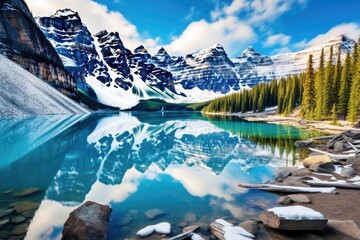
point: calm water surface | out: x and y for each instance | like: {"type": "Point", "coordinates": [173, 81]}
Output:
{"type": "Point", "coordinates": [177, 162]}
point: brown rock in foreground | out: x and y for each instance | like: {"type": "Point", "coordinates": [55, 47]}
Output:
{"type": "Point", "coordinates": [88, 222]}
{"type": "Point", "coordinates": [303, 223]}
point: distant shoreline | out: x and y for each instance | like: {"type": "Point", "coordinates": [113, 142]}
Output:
{"type": "Point", "coordinates": [271, 117]}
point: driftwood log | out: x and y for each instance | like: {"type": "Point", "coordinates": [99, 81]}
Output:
{"type": "Point", "coordinates": [287, 189]}
{"type": "Point", "coordinates": [332, 184]}
{"type": "Point", "coordinates": [218, 230]}
{"type": "Point", "coordinates": [332, 155]}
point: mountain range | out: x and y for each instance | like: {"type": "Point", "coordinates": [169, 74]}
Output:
{"type": "Point", "coordinates": [110, 74]}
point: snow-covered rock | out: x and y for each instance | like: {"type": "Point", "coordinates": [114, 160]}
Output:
{"type": "Point", "coordinates": [162, 228]}
{"type": "Point", "coordinates": [293, 218]}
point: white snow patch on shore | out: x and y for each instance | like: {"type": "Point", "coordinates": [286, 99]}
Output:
{"type": "Point", "coordinates": [296, 213]}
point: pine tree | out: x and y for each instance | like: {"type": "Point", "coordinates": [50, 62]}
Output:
{"type": "Point", "coordinates": [354, 102]}
{"type": "Point", "coordinates": [328, 84]}
{"type": "Point", "coordinates": [334, 115]}
{"type": "Point", "coordinates": [319, 87]}
{"type": "Point", "coordinates": [308, 100]}
{"type": "Point", "coordinates": [344, 92]}
{"type": "Point", "coordinates": [355, 58]}
{"type": "Point", "coordinates": [337, 77]}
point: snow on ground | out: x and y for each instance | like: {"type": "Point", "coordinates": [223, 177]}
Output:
{"type": "Point", "coordinates": [296, 213]}
{"type": "Point", "coordinates": [22, 93]}
{"type": "Point", "coordinates": [232, 232]}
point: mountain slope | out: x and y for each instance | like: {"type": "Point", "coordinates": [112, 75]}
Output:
{"type": "Point", "coordinates": [23, 42]}
{"type": "Point", "coordinates": [22, 93]}
{"type": "Point", "coordinates": [101, 61]}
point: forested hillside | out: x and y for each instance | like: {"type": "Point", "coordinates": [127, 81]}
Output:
{"type": "Point", "coordinates": [331, 91]}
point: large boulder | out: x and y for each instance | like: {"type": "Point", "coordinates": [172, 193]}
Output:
{"type": "Point", "coordinates": [88, 222]}
{"type": "Point", "coordinates": [294, 218]}
{"type": "Point", "coordinates": [319, 159]}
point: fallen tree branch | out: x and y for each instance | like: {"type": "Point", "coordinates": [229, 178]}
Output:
{"type": "Point", "coordinates": [287, 189]}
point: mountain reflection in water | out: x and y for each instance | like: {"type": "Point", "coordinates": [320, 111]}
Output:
{"type": "Point", "coordinates": [179, 162]}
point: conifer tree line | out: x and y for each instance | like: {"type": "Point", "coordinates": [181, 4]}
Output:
{"type": "Point", "coordinates": [331, 91]}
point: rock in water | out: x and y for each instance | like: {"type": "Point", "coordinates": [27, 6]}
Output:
{"type": "Point", "coordinates": [88, 222]}
{"type": "Point", "coordinates": [294, 218]}
{"type": "Point", "coordinates": [154, 213]}
{"type": "Point", "coordinates": [27, 192]}
{"type": "Point", "coordinates": [20, 229]}
{"type": "Point", "coordinates": [21, 207]}
{"type": "Point", "coordinates": [5, 212]}
{"type": "Point", "coordinates": [251, 226]}
{"type": "Point", "coordinates": [319, 159]}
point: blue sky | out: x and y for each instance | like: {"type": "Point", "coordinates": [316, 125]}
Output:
{"type": "Point", "coordinates": [185, 26]}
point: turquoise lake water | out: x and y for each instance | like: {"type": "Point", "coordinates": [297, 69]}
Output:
{"type": "Point", "coordinates": [180, 163]}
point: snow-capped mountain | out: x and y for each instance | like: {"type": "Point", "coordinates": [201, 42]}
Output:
{"type": "Point", "coordinates": [253, 67]}
{"type": "Point", "coordinates": [121, 78]}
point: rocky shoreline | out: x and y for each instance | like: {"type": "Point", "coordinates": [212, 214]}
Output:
{"type": "Point", "coordinates": [271, 117]}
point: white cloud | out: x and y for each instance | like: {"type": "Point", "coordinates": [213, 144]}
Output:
{"type": "Point", "coordinates": [277, 39]}
{"type": "Point", "coordinates": [97, 17]}
{"type": "Point", "coordinates": [351, 30]}
{"type": "Point", "coordinates": [230, 32]}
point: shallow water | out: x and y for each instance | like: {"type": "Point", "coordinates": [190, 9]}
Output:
{"type": "Point", "coordinates": [177, 162]}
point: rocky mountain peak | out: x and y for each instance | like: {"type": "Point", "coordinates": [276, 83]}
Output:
{"type": "Point", "coordinates": [141, 49]}
{"type": "Point", "coordinates": [65, 12]}
{"type": "Point", "coordinates": [250, 51]}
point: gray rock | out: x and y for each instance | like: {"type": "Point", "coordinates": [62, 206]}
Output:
{"type": "Point", "coordinates": [354, 134]}
{"type": "Point", "coordinates": [354, 161]}
{"type": "Point", "coordinates": [302, 172]}
{"type": "Point", "coordinates": [27, 192]}
{"type": "Point", "coordinates": [322, 168]}
{"type": "Point", "coordinates": [18, 219]}
{"type": "Point", "coordinates": [4, 222]}
{"type": "Point", "coordinates": [8, 192]}
{"type": "Point", "coordinates": [20, 229]}
{"type": "Point", "coordinates": [29, 214]}
{"type": "Point", "coordinates": [294, 181]}
{"type": "Point", "coordinates": [154, 213]}
{"type": "Point", "coordinates": [124, 221]}
{"type": "Point", "coordinates": [204, 227]}
{"type": "Point", "coordinates": [340, 147]}
{"type": "Point", "coordinates": [285, 200]}
{"type": "Point", "coordinates": [190, 218]}
{"type": "Point", "coordinates": [357, 125]}
{"type": "Point", "coordinates": [88, 222]}
{"type": "Point", "coordinates": [299, 198]}
{"type": "Point", "coordinates": [347, 227]}
{"type": "Point", "coordinates": [182, 224]}
{"type": "Point", "coordinates": [303, 144]}
{"type": "Point", "coordinates": [21, 207]}
{"type": "Point", "coordinates": [284, 172]}
{"type": "Point", "coordinates": [347, 172]}
{"type": "Point", "coordinates": [251, 226]}
{"type": "Point", "coordinates": [5, 212]}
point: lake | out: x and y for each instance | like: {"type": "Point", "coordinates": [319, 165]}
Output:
{"type": "Point", "coordinates": [185, 164]}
